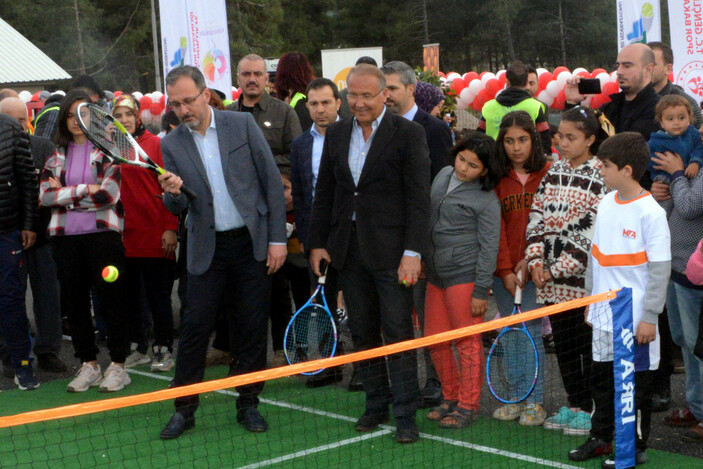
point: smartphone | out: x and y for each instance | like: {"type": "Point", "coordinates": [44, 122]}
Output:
{"type": "Point", "coordinates": [589, 86]}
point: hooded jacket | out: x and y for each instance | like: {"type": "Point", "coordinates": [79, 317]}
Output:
{"type": "Point", "coordinates": [18, 182]}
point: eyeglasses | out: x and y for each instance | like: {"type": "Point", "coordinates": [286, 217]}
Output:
{"type": "Point", "coordinates": [362, 97]}
{"type": "Point", "coordinates": [175, 105]}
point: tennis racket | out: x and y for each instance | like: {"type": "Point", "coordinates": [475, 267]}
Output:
{"type": "Point", "coordinates": [513, 363]}
{"type": "Point", "coordinates": [311, 333]}
{"type": "Point", "coordinates": [106, 133]}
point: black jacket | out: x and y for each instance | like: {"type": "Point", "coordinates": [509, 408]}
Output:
{"type": "Point", "coordinates": [18, 183]}
{"type": "Point", "coordinates": [391, 201]}
{"type": "Point", "coordinates": [636, 115]}
{"type": "Point", "coordinates": [439, 140]}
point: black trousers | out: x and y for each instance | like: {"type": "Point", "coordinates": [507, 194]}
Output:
{"type": "Point", "coordinates": [241, 282]}
{"type": "Point", "coordinates": [154, 275]}
{"type": "Point", "coordinates": [380, 311]}
{"type": "Point", "coordinates": [572, 340]}
{"type": "Point", "coordinates": [80, 260]}
{"type": "Point", "coordinates": [603, 419]}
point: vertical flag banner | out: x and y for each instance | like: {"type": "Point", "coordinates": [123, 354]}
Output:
{"type": "Point", "coordinates": [336, 63]}
{"type": "Point", "coordinates": [430, 57]}
{"type": "Point", "coordinates": [686, 25]}
{"type": "Point", "coordinates": [194, 32]}
{"type": "Point", "coordinates": [638, 21]}
{"type": "Point", "coordinates": [624, 378]}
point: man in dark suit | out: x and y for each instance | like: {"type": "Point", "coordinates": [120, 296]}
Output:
{"type": "Point", "coordinates": [236, 236]}
{"type": "Point", "coordinates": [400, 82]}
{"type": "Point", "coordinates": [370, 220]}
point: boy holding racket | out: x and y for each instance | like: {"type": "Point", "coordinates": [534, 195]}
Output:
{"type": "Point", "coordinates": [630, 248]}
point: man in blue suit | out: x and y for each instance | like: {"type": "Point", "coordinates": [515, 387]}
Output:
{"type": "Point", "coordinates": [236, 237]}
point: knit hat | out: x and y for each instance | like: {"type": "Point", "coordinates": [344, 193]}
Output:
{"type": "Point", "coordinates": [427, 96]}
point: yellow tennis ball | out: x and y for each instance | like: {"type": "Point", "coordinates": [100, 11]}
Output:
{"type": "Point", "coordinates": [647, 10]}
{"type": "Point", "coordinates": [110, 273]}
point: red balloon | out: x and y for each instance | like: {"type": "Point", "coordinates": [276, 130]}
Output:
{"type": "Point", "coordinates": [156, 108]}
{"type": "Point", "coordinates": [610, 88]}
{"type": "Point", "coordinates": [493, 86]}
{"type": "Point", "coordinates": [596, 101]}
{"type": "Point", "coordinates": [458, 84]}
{"type": "Point", "coordinates": [483, 97]}
{"type": "Point", "coordinates": [502, 80]}
{"type": "Point", "coordinates": [559, 100]}
{"type": "Point", "coordinates": [597, 71]}
{"type": "Point", "coordinates": [35, 96]}
{"type": "Point", "coordinates": [117, 94]}
{"type": "Point", "coordinates": [441, 74]}
{"type": "Point", "coordinates": [671, 76]}
{"type": "Point", "coordinates": [162, 100]}
{"type": "Point", "coordinates": [145, 102]}
{"type": "Point", "coordinates": [584, 74]}
{"type": "Point", "coordinates": [605, 98]}
{"type": "Point", "coordinates": [544, 79]}
{"type": "Point", "coordinates": [470, 76]}
{"type": "Point", "coordinates": [558, 70]}
{"type": "Point", "coordinates": [482, 74]}
{"type": "Point", "coordinates": [475, 105]}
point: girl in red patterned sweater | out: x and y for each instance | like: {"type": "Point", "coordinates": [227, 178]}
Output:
{"type": "Point", "coordinates": [562, 219]}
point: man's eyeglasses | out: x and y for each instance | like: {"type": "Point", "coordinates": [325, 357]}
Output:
{"type": "Point", "coordinates": [362, 97]}
{"type": "Point", "coordinates": [175, 105]}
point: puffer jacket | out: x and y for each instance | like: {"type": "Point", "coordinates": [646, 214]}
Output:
{"type": "Point", "coordinates": [18, 183]}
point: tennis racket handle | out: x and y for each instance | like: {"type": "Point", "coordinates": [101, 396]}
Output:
{"type": "Point", "coordinates": [323, 271]}
{"type": "Point", "coordinates": [188, 192]}
{"type": "Point", "coordinates": [518, 290]}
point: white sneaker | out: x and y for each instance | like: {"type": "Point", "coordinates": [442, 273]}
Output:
{"type": "Point", "coordinates": [136, 358]}
{"type": "Point", "coordinates": [509, 412]}
{"type": "Point", "coordinates": [88, 376]}
{"type": "Point", "coordinates": [163, 359]}
{"type": "Point", "coordinates": [533, 416]}
{"type": "Point", "coordinates": [116, 378]}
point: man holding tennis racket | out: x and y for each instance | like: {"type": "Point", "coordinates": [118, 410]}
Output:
{"type": "Point", "coordinates": [370, 219]}
{"type": "Point", "coordinates": [236, 237]}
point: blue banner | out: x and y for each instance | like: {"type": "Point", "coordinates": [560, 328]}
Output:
{"type": "Point", "coordinates": [624, 375]}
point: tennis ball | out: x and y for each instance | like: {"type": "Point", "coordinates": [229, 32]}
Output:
{"type": "Point", "coordinates": [647, 10]}
{"type": "Point", "coordinates": [110, 273]}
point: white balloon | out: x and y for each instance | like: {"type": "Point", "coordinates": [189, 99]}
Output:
{"type": "Point", "coordinates": [499, 92]}
{"type": "Point", "coordinates": [604, 78]}
{"type": "Point", "coordinates": [576, 71]}
{"type": "Point", "coordinates": [475, 86]}
{"type": "Point", "coordinates": [541, 71]}
{"type": "Point", "coordinates": [147, 116]}
{"type": "Point", "coordinates": [563, 77]}
{"type": "Point", "coordinates": [137, 95]}
{"type": "Point", "coordinates": [156, 95]}
{"type": "Point", "coordinates": [453, 75]}
{"type": "Point", "coordinates": [25, 96]}
{"type": "Point", "coordinates": [461, 104]}
{"type": "Point", "coordinates": [545, 98]}
{"type": "Point", "coordinates": [614, 76]}
{"type": "Point", "coordinates": [487, 76]}
{"type": "Point", "coordinates": [500, 73]}
{"type": "Point", "coordinates": [553, 88]}
{"type": "Point", "coordinates": [467, 95]}
{"type": "Point", "coordinates": [443, 80]}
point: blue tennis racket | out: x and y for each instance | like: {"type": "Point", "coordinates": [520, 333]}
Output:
{"type": "Point", "coordinates": [311, 333]}
{"type": "Point", "coordinates": [513, 363]}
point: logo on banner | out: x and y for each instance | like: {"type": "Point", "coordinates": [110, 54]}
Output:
{"type": "Point", "coordinates": [641, 25]}
{"type": "Point", "coordinates": [180, 54]}
{"type": "Point", "coordinates": [214, 65]}
{"type": "Point", "coordinates": [690, 78]}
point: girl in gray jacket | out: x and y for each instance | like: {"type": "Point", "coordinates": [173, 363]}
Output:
{"type": "Point", "coordinates": [461, 259]}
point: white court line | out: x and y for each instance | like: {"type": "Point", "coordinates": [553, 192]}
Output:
{"type": "Point", "coordinates": [316, 449]}
{"type": "Point", "coordinates": [385, 429]}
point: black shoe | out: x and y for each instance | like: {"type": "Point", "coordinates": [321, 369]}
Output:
{"type": "Point", "coordinates": [431, 394]}
{"type": "Point", "coordinates": [661, 401]}
{"type": "Point", "coordinates": [325, 377]}
{"type": "Point", "coordinates": [51, 363]}
{"type": "Point", "coordinates": [177, 425]}
{"type": "Point", "coordinates": [370, 420]}
{"type": "Point", "coordinates": [25, 379]}
{"type": "Point", "coordinates": [592, 448]}
{"type": "Point", "coordinates": [640, 458]}
{"type": "Point", "coordinates": [252, 420]}
{"type": "Point", "coordinates": [406, 431]}
{"type": "Point", "coordinates": [355, 383]}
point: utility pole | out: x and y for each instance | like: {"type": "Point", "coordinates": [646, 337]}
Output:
{"type": "Point", "coordinates": [155, 37]}
{"type": "Point", "coordinates": [81, 52]}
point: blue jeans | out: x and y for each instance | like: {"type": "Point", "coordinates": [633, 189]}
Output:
{"type": "Point", "coordinates": [684, 308]}
{"type": "Point", "coordinates": [506, 302]}
{"type": "Point", "coordinates": [13, 313]}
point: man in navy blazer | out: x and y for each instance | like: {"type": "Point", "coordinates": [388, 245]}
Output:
{"type": "Point", "coordinates": [236, 237]}
{"type": "Point", "coordinates": [370, 219]}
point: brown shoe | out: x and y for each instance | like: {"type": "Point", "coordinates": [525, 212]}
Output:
{"type": "Point", "coordinates": [217, 357]}
{"type": "Point", "coordinates": [681, 418]}
{"type": "Point", "coordinates": [695, 433]}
